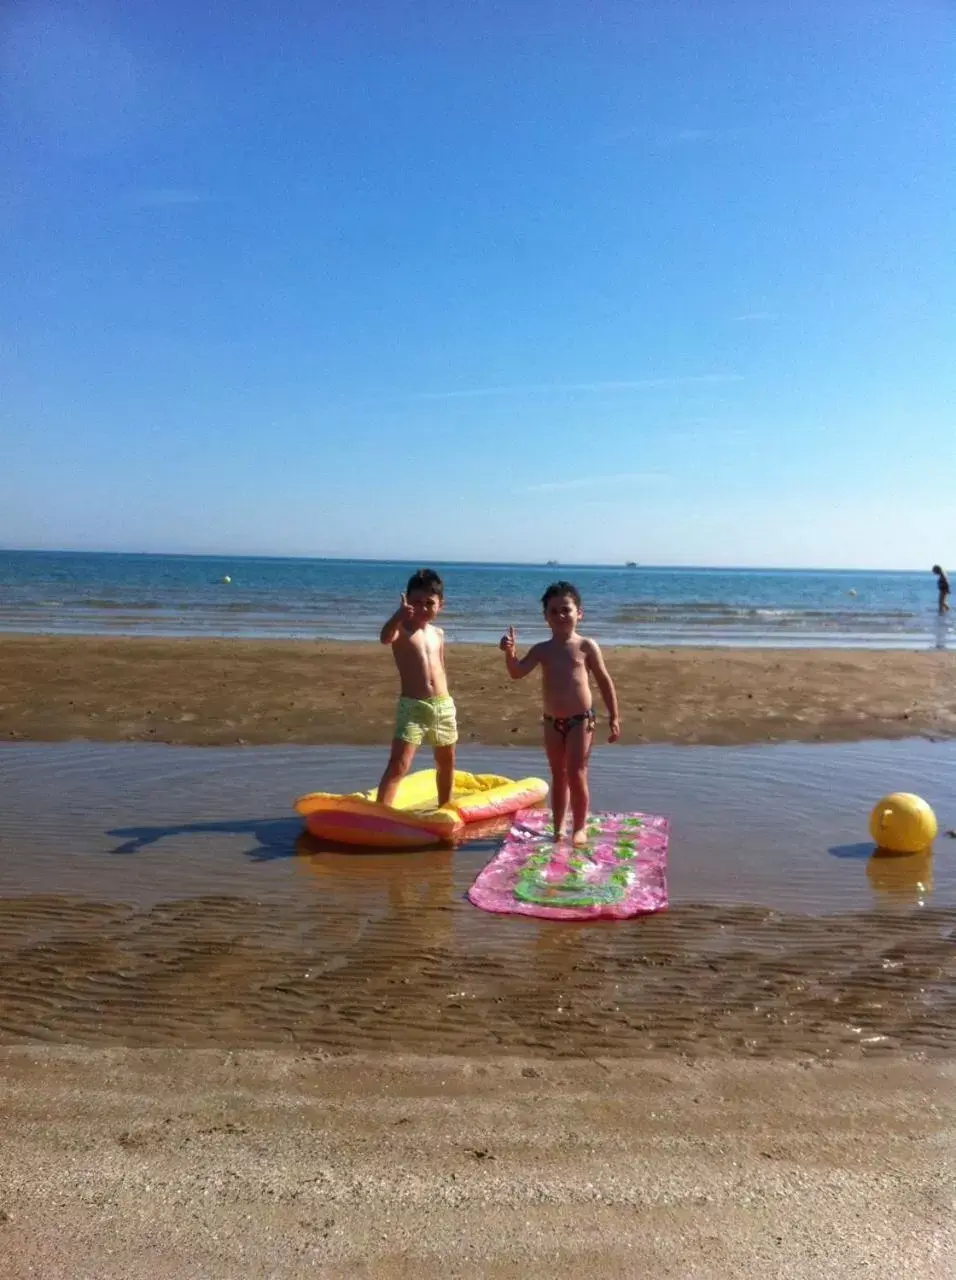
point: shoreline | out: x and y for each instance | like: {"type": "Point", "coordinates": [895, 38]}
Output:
{"type": "Point", "coordinates": [916, 642]}
{"type": "Point", "coordinates": [221, 692]}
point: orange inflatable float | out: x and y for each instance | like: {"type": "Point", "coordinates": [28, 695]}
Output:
{"type": "Point", "coordinates": [415, 819]}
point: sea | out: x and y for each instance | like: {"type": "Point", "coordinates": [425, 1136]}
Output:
{"type": "Point", "coordinates": [260, 597]}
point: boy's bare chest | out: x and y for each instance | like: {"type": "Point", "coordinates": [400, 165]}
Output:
{"type": "Point", "coordinates": [566, 663]}
{"type": "Point", "coordinates": [422, 646]}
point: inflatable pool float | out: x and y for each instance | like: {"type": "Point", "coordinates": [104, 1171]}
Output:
{"type": "Point", "coordinates": [415, 819]}
{"type": "Point", "coordinates": [620, 872]}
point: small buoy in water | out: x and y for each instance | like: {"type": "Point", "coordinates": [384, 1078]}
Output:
{"type": "Point", "coordinates": [852, 591]}
{"type": "Point", "coordinates": [903, 823]}
{"type": "Point", "coordinates": [226, 579]}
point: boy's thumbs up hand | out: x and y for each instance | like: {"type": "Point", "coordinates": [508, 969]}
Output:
{"type": "Point", "coordinates": [405, 612]}
{"type": "Point", "coordinates": [508, 642]}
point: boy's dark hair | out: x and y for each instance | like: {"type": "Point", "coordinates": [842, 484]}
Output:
{"type": "Point", "coordinates": [426, 580]}
{"type": "Point", "coordinates": [560, 589]}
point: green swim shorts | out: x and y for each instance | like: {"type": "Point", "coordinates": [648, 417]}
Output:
{"type": "Point", "coordinates": [430, 720]}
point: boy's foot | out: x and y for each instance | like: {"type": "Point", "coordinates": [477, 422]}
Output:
{"type": "Point", "coordinates": [580, 838]}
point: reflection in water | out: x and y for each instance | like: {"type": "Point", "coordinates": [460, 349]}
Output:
{"type": "Point", "coordinates": [418, 889]}
{"type": "Point", "coordinates": [901, 879]}
{"type": "Point", "coordinates": [418, 885]}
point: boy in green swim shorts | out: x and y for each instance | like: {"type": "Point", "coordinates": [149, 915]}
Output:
{"type": "Point", "coordinates": [426, 714]}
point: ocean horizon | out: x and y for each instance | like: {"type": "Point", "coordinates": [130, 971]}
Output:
{"type": "Point", "coordinates": [179, 594]}
{"type": "Point", "coordinates": [492, 564]}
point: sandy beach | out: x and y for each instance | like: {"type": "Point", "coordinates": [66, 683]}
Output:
{"type": "Point", "coordinates": [163, 1165]}
{"type": "Point", "coordinates": [361, 1076]}
{"type": "Point", "coordinates": [210, 692]}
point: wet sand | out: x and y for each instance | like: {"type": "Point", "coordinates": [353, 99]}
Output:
{"type": "Point", "coordinates": [326, 977]}
{"type": "Point", "coordinates": [206, 692]}
{"type": "Point", "coordinates": [126, 1165]}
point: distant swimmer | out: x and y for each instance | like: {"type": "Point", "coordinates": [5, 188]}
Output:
{"type": "Point", "coordinates": [852, 591]}
{"type": "Point", "coordinates": [942, 586]}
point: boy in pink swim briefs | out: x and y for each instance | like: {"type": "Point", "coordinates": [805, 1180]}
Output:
{"type": "Point", "coordinates": [567, 662]}
{"type": "Point", "coordinates": [425, 713]}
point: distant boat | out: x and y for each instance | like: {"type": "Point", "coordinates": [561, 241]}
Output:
{"type": "Point", "coordinates": [551, 564]}
{"type": "Point", "coordinates": [631, 564]}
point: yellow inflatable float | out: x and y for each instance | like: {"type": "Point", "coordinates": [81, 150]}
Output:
{"type": "Point", "coordinates": [415, 818]}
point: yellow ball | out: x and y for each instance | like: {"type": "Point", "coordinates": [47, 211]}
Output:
{"type": "Point", "coordinates": [903, 823]}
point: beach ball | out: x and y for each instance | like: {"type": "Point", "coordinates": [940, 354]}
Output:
{"type": "Point", "coordinates": [903, 823]}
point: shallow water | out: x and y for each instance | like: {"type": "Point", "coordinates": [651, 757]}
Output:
{"type": "Point", "coordinates": [152, 894]}
{"type": "Point", "coordinates": [780, 826]}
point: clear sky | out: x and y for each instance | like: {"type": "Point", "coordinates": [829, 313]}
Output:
{"type": "Point", "coordinates": [665, 281]}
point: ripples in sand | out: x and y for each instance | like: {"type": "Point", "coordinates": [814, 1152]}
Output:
{"type": "Point", "coordinates": [228, 971]}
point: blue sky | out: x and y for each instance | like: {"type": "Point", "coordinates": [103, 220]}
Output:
{"type": "Point", "coordinates": [670, 282]}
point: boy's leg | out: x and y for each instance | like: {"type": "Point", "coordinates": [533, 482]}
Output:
{"type": "Point", "coordinates": [443, 735]}
{"type": "Point", "coordinates": [445, 769]}
{"type": "Point", "coordinates": [578, 751]}
{"type": "Point", "coordinates": [399, 762]}
{"type": "Point", "coordinates": [554, 745]}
